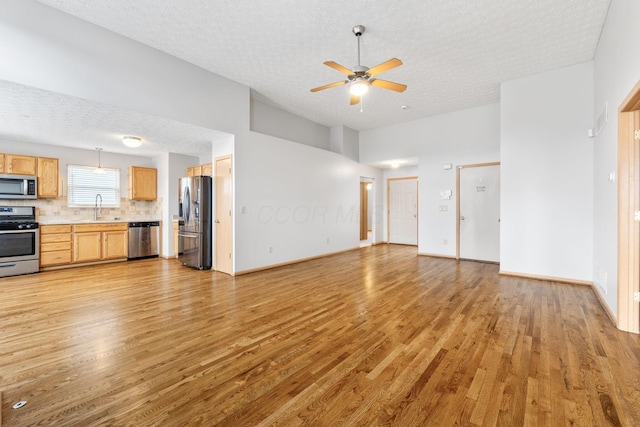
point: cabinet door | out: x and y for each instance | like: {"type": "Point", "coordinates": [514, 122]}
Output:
{"type": "Point", "coordinates": [47, 177]}
{"type": "Point", "coordinates": [2, 163]}
{"type": "Point", "coordinates": [114, 244]}
{"type": "Point", "coordinates": [87, 246]}
{"type": "Point", "coordinates": [176, 228]}
{"type": "Point", "coordinates": [143, 183]}
{"type": "Point", "coordinates": [20, 165]}
{"type": "Point", "coordinates": [207, 169]}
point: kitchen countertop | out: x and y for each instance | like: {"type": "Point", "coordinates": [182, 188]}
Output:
{"type": "Point", "coordinates": [73, 221]}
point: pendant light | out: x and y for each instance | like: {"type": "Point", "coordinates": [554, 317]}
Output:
{"type": "Point", "coordinates": [99, 169]}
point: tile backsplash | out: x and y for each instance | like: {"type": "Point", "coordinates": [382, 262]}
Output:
{"type": "Point", "coordinates": [57, 211]}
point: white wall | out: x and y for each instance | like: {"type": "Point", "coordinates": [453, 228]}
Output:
{"type": "Point", "coordinates": [345, 141]}
{"type": "Point", "coordinates": [616, 71]}
{"type": "Point", "coordinates": [55, 51]}
{"type": "Point", "coordinates": [273, 121]}
{"type": "Point", "coordinates": [299, 200]}
{"type": "Point", "coordinates": [547, 174]}
{"type": "Point", "coordinates": [171, 167]}
{"type": "Point", "coordinates": [351, 143]}
{"type": "Point", "coordinates": [462, 137]}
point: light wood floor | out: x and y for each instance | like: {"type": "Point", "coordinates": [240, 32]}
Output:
{"type": "Point", "coordinates": [378, 336]}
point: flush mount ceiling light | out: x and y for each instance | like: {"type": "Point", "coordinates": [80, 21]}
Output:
{"type": "Point", "coordinates": [99, 169]}
{"type": "Point", "coordinates": [132, 141]}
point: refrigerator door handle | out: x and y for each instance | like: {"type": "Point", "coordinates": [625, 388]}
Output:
{"type": "Point", "coordinates": [187, 200]}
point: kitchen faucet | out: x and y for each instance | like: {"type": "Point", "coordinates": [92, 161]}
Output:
{"type": "Point", "coordinates": [95, 208]}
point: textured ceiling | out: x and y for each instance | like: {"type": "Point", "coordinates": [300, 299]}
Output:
{"type": "Point", "coordinates": [455, 52]}
{"type": "Point", "coordinates": [35, 115]}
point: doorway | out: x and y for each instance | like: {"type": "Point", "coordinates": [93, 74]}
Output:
{"type": "Point", "coordinates": [478, 212]}
{"type": "Point", "coordinates": [628, 211]}
{"type": "Point", "coordinates": [402, 210]}
{"type": "Point", "coordinates": [366, 211]}
{"type": "Point", "coordinates": [223, 215]}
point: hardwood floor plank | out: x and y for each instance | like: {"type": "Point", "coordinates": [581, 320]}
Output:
{"type": "Point", "coordinates": [378, 336]}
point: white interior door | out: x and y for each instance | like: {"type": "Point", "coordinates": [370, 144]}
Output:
{"type": "Point", "coordinates": [403, 211]}
{"type": "Point", "coordinates": [480, 213]}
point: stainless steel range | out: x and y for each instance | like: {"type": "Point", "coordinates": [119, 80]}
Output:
{"type": "Point", "coordinates": [19, 240]}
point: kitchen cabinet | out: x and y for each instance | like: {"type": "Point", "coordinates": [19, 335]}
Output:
{"type": "Point", "coordinates": [206, 170]}
{"type": "Point", "coordinates": [143, 183]}
{"type": "Point", "coordinates": [55, 245]}
{"type": "Point", "coordinates": [194, 171]}
{"type": "Point", "coordinates": [99, 242]}
{"type": "Point", "coordinates": [176, 228]}
{"type": "Point", "coordinates": [16, 164]}
{"type": "Point", "coordinates": [2, 163]}
{"type": "Point", "coordinates": [115, 244]}
{"type": "Point", "coordinates": [47, 177]}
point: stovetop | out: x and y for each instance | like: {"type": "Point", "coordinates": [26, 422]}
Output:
{"type": "Point", "coordinates": [17, 217]}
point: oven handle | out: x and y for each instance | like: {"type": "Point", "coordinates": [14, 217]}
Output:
{"type": "Point", "coordinates": [8, 265]}
{"type": "Point", "coordinates": [28, 230]}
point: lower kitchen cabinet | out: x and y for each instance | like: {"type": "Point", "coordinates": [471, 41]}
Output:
{"type": "Point", "coordinates": [99, 242]}
{"type": "Point", "coordinates": [67, 245]}
{"type": "Point", "coordinates": [115, 244]}
{"type": "Point", "coordinates": [55, 245]}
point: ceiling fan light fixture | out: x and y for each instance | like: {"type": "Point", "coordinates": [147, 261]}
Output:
{"type": "Point", "coordinates": [132, 141]}
{"type": "Point", "coordinates": [359, 87]}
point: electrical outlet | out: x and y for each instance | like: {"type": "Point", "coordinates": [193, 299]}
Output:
{"type": "Point", "coordinates": [327, 240]}
{"type": "Point", "coordinates": [636, 296]}
{"type": "Point", "coordinates": [270, 249]}
{"type": "Point", "coordinates": [445, 241]}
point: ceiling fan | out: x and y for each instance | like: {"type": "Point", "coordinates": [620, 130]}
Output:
{"type": "Point", "coordinates": [361, 77]}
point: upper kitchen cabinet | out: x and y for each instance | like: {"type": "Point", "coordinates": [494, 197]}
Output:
{"type": "Point", "coordinates": [143, 183]}
{"type": "Point", "coordinates": [207, 169]}
{"type": "Point", "coordinates": [2, 163]}
{"type": "Point", "coordinates": [16, 164]}
{"type": "Point", "coordinates": [47, 177]}
{"type": "Point", "coordinates": [194, 171]}
{"type": "Point", "coordinates": [200, 170]}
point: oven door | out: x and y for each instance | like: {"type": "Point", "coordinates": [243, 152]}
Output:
{"type": "Point", "coordinates": [19, 245]}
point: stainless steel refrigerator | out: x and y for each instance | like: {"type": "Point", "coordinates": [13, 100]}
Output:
{"type": "Point", "coordinates": [194, 234]}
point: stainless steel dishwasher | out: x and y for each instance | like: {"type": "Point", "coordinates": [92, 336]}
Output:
{"type": "Point", "coordinates": [144, 239]}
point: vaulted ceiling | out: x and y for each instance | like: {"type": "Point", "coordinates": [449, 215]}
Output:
{"type": "Point", "coordinates": [455, 53]}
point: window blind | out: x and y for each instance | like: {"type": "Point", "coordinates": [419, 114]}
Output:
{"type": "Point", "coordinates": [84, 184]}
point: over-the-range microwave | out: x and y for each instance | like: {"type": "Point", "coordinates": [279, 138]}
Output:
{"type": "Point", "coordinates": [18, 187]}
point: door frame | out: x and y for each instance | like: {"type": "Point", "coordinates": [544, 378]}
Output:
{"type": "Point", "coordinates": [389, 205]}
{"type": "Point", "coordinates": [458, 168]}
{"type": "Point", "coordinates": [364, 210]}
{"type": "Point", "coordinates": [215, 208]}
{"type": "Point", "coordinates": [628, 202]}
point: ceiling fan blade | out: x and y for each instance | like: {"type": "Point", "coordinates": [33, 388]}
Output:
{"type": "Point", "coordinates": [336, 66]}
{"type": "Point", "coordinates": [385, 66]}
{"type": "Point", "coordinates": [316, 89]}
{"type": "Point", "coordinates": [354, 100]}
{"type": "Point", "coordinates": [388, 85]}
